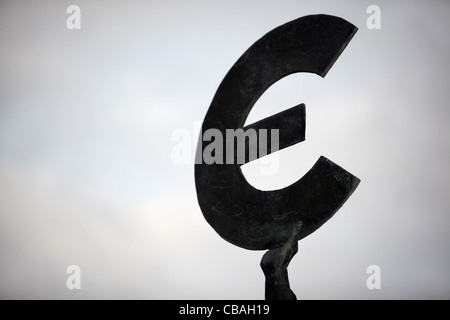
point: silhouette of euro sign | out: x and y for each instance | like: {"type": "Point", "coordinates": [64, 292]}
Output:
{"type": "Point", "coordinates": [238, 212]}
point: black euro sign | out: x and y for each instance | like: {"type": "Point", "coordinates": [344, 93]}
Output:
{"type": "Point", "coordinates": [241, 214]}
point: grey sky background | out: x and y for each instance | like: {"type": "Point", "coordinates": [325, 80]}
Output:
{"type": "Point", "coordinates": [86, 175]}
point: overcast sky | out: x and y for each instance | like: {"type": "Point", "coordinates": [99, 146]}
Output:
{"type": "Point", "coordinates": [87, 177]}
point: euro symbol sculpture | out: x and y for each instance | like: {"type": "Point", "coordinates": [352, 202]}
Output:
{"type": "Point", "coordinates": [278, 219]}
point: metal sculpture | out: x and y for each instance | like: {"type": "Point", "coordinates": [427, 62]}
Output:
{"type": "Point", "coordinates": [278, 219]}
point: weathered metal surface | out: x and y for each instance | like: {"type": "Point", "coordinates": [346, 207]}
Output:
{"type": "Point", "coordinates": [241, 214]}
